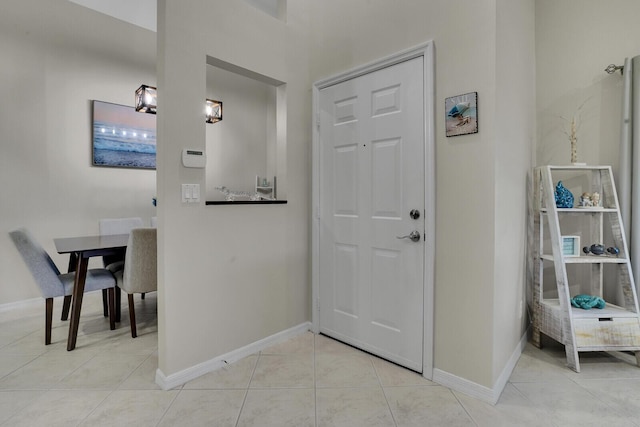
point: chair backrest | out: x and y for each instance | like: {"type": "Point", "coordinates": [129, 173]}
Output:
{"type": "Point", "coordinates": [141, 261]}
{"type": "Point", "coordinates": [109, 226]}
{"type": "Point", "coordinates": [40, 264]}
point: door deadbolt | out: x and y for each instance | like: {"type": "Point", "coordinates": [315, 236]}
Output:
{"type": "Point", "coordinates": [414, 214]}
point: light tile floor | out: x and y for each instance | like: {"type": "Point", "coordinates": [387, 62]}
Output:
{"type": "Point", "coordinates": [307, 381]}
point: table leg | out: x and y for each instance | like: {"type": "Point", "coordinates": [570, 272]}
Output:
{"type": "Point", "coordinates": [76, 301]}
{"type": "Point", "coordinates": [73, 262]}
{"type": "Point", "coordinates": [66, 305]}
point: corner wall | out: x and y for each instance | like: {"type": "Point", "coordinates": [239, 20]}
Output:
{"type": "Point", "coordinates": [514, 148]}
{"type": "Point", "coordinates": [471, 223]}
{"type": "Point", "coordinates": [228, 275]}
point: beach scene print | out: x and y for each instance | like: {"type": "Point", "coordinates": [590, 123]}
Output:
{"type": "Point", "coordinates": [461, 114]}
{"type": "Point", "coordinates": [123, 137]}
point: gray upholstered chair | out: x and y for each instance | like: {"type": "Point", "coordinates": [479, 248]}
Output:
{"type": "Point", "coordinates": [53, 284]}
{"type": "Point", "coordinates": [140, 273]}
{"type": "Point", "coordinates": [113, 263]}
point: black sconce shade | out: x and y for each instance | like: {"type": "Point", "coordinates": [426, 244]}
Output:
{"type": "Point", "coordinates": [147, 102]}
{"type": "Point", "coordinates": [147, 99]}
{"type": "Point", "coordinates": [213, 111]}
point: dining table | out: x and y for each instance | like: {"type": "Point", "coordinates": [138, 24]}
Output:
{"type": "Point", "coordinates": [80, 250]}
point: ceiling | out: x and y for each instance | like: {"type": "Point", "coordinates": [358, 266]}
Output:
{"type": "Point", "coordinates": [143, 12]}
{"type": "Point", "coordinates": [138, 12]}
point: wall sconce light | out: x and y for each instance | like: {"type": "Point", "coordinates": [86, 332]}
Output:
{"type": "Point", "coordinates": [147, 99]}
{"type": "Point", "coordinates": [213, 111]}
{"type": "Point", "coordinates": [147, 102]}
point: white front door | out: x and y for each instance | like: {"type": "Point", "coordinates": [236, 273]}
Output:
{"type": "Point", "coordinates": [371, 185]}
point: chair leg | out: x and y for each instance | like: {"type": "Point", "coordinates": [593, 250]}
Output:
{"type": "Point", "coordinates": [132, 316]}
{"type": "Point", "coordinates": [142, 296]}
{"type": "Point", "coordinates": [66, 305]}
{"type": "Point", "coordinates": [112, 308]}
{"type": "Point", "coordinates": [105, 303]}
{"type": "Point", "coordinates": [118, 302]}
{"type": "Point", "coordinates": [48, 320]}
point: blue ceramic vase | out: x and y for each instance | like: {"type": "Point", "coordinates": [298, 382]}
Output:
{"type": "Point", "coordinates": [564, 198]}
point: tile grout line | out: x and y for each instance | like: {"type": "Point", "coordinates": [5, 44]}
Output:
{"type": "Point", "coordinates": [384, 392]}
{"type": "Point", "coordinates": [315, 383]}
{"type": "Point", "coordinates": [164, 414]}
{"type": "Point", "coordinates": [94, 409]}
{"type": "Point", "coordinates": [246, 392]}
{"type": "Point", "coordinates": [463, 407]}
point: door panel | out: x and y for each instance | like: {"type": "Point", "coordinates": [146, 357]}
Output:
{"type": "Point", "coordinates": [346, 275]}
{"type": "Point", "coordinates": [346, 183]}
{"type": "Point", "coordinates": [386, 181]}
{"type": "Point", "coordinates": [371, 176]}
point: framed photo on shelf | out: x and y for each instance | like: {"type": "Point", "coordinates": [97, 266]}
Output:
{"type": "Point", "coordinates": [571, 245]}
{"type": "Point", "coordinates": [461, 114]}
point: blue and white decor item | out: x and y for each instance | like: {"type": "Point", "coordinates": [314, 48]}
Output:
{"type": "Point", "coordinates": [587, 302]}
{"type": "Point", "coordinates": [231, 195]}
{"type": "Point", "coordinates": [462, 114]}
{"type": "Point", "coordinates": [564, 198]}
{"type": "Point", "coordinates": [595, 249]}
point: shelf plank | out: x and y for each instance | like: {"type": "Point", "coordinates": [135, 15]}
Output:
{"type": "Point", "coordinates": [579, 167]}
{"type": "Point", "coordinates": [587, 259]}
{"type": "Point", "coordinates": [580, 210]}
{"type": "Point", "coordinates": [610, 310]}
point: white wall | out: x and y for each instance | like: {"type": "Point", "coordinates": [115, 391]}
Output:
{"type": "Point", "coordinates": [515, 128]}
{"type": "Point", "coordinates": [474, 173]}
{"type": "Point", "coordinates": [228, 275]}
{"type": "Point", "coordinates": [54, 62]}
{"type": "Point", "coordinates": [473, 239]}
{"type": "Point", "coordinates": [575, 41]}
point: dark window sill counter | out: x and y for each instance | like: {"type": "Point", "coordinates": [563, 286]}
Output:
{"type": "Point", "coordinates": [246, 202]}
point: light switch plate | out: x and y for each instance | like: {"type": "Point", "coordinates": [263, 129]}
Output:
{"type": "Point", "coordinates": [190, 193]}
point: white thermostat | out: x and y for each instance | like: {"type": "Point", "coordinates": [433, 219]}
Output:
{"type": "Point", "coordinates": [193, 158]}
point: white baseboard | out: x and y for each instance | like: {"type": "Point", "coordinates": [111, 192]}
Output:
{"type": "Point", "coordinates": [20, 305]}
{"type": "Point", "coordinates": [503, 379]}
{"type": "Point", "coordinates": [186, 375]}
{"type": "Point", "coordinates": [486, 394]}
{"type": "Point", "coordinates": [464, 386]}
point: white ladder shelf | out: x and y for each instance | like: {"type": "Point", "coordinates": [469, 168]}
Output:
{"type": "Point", "coordinates": [617, 326]}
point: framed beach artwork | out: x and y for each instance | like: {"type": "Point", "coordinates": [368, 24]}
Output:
{"type": "Point", "coordinates": [123, 137]}
{"type": "Point", "coordinates": [461, 114]}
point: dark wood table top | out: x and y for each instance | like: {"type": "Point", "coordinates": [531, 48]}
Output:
{"type": "Point", "coordinates": [65, 245]}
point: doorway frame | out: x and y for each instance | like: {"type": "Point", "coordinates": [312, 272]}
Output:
{"type": "Point", "coordinates": [427, 52]}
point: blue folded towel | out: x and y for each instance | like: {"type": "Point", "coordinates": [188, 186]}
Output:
{"type": "Point", "coordinates": [587, 302]}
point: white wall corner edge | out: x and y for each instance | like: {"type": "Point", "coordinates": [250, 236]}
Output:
{"type": "Point", "coordinates": [179, 378]}
{"type": "Point", "coordinates": [486, 394]}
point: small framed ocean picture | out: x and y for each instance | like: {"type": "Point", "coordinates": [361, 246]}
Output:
{"type": "Point", "coordinates": [571, 245]}
{"type": "Point", "coordinates": [123, 137]}
{"type": "Point", "coordinates": [461, 114]}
